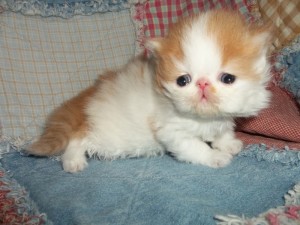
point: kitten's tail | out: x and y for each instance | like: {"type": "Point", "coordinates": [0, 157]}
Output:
{"type": "Point", "coordinates": [65, 123]}
{"type": "Point", "coordinates": [56, 136]}
{"type": "Point", "coordinates": [59, 129]}
{"type": "Point", "coordinates": [50, 143]}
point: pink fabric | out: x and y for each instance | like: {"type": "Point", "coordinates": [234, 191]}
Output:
{"type": "Point", "coordinates": [14, 206]}
{"type": "Point", "coordinates": [277, 126]}
{"type": "Point", "coordinates": [289, 216]}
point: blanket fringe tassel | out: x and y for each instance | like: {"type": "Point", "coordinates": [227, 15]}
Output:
{"type": "Point", "coordinates": [262, 153]}
{"type": "Point", "coordinates": [283, 215]}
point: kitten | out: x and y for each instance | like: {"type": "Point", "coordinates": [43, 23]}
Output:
{"type": "Point", "coordinates": [209, 69]}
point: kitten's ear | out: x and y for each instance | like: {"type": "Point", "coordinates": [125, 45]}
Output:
{"type": "Point", "coordinates": [154, 45]}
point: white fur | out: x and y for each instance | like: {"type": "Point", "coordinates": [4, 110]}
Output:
{"type": "Point", "coordinates": [74, 159]}
{"type": "Point", "coordinates": [133, 119]}
{"type": "Point", "coordinates": [202, 59]}
{"type": "Point", "coordinates": [121, 122]}
{"type": "Point", "coordinates": [202, 54]}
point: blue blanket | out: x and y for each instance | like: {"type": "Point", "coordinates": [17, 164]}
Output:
{"type": "Point", "coordinates": [147, 191]}
{"type": "Point", "coordinates": [158, 190]}
{"type": "Point", "coordinates": [289, 61]}
{"type": "Point", "coordinates": [64, 8]}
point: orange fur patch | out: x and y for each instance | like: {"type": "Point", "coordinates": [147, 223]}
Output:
{"type": "Point", "coordinates": [108, 76]}
{"type": "Point", "coordinates": [67, 122]}
{"type": "Point", "coordinates": [169, 48]}
{"type": "Point", "coordinates": [232, 33]}
{"type": "Point", "coordinates": [236, 41]}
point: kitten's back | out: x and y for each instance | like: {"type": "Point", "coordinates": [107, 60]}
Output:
{"type": "Point", "coordinates": [112, 108]}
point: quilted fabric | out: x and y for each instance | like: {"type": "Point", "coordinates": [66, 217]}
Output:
{"type": "Point", "coordinates": [287, 214]}
{"type": "Point", "coordinates": [154, 17]}
{"type": "Point", "coordinates": [276, 126]}
{"type": "Point", "coordinates": [63, 8]}
{"type": "Point", "coordinates": [16, 207]}
{"type": "Point", "coordinates": [44, 61]}
{"type": "Point", "coordinates": [285, 16]}
{"type": "Point", "coordinates": [152, 191]}
{"type": "Point", "coordinates": [289, 61]}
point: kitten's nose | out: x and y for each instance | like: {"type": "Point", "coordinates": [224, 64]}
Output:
{"type": "Point", "coordinates": [203, 83]}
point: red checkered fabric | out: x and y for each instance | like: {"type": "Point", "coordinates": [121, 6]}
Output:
{"type": "Point", "coordinates": [278, 126]}
{"type": "Point", "coordinates": [155, 16]}
{"type": "Point", "coordinates": [159, 14]}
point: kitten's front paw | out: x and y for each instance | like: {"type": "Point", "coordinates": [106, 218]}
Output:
{"type": "Point", "coordinates": [74, 165]}
{"type": "Point", "coordinates": [218, 159]}
{"type": "Point", "coordinates": [233, 146]}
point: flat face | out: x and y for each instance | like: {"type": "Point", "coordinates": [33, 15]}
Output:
{"type": "Point", "coordinates": [214, 64]}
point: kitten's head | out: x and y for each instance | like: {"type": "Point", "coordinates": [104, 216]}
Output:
{"type": "Point", "coordinates": [214, 64]}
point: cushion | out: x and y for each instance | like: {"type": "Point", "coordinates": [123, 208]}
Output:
{"type": "Point", "coordinates": [276, 126]}
{"type": "Point", "coordinates": [44, 61]}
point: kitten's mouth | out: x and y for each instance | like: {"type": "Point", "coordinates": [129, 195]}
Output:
{"type": "Point", "coordinates": [204, 98]}
{"type": "Point", "coordinates": [205, 103]}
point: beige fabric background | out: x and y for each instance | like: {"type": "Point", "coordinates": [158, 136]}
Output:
{"type": "Point", "coordinates": [285, 15]}
{"type": "Point", "coordinates": [44, 61]}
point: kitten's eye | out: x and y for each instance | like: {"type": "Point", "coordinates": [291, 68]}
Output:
{"type": "Point", "coordinates": [183, 80]}
{"type": "Point", "coordinates": [227, 78]}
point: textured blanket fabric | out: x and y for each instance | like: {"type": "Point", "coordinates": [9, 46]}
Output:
{"type": "Point", "coordinates": [16, 207]}
{"type": "Point", "coordinates": [64, 8]}
{"type": "Point", "coordinates": [287, 67]}
{"type": "Point", "coordinates": [149, 191]}
{"type": "Point", "coordinates": [45, 61]}
{"type": "Point", "coordinates": [142, 191]}
{"type": "Point", "coordinates": [289, 214]}
{"type": "Point", "coordinates": [292, 77]}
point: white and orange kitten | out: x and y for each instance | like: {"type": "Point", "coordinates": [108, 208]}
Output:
{"type": "Point", "coordinates": [209, 69]}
